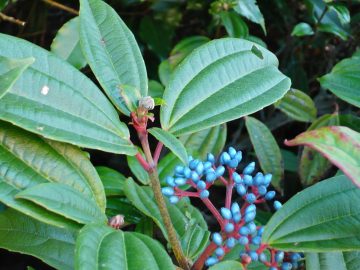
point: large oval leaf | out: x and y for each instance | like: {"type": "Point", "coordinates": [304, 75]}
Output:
{"type": "Point", "coordinates": [266, 149]}
{"type": "Point", "coordinates": [26, 235]}
{"type": "Point", "coordinates": [218, 82]}
{"type": "Point", "coordinates": [323, 217]}
{"type": "Point", "coordinates": [344, 80]}
{"type": "Point", "coordinates": [111, 51]}
{"type": "Point", "coordinates": [341, 145]}
{"type": "Point", "coordinates": [101, 247]}
{"type": "Point", "coordinates": [27, 160]}
{"type": "Point", "coordinates": [112, 180]}
{"type": "Point", "coordinates": [333, 260]}
{"type": "Point", "coordinates": [54, 99]}
{"type": "Point", "coordinates": [66, 44]}
{"type": "Point", "coordinates": [64, 200]}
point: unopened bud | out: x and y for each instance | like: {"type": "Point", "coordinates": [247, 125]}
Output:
{"type": "Point", "coordinates": [116, 222]}
{"type": "Point", "coordinates": [147, 103]}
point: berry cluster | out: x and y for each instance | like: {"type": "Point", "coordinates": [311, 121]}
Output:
{"type": "Point", "coordinates": [237, 223]}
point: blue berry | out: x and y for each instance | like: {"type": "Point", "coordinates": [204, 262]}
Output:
{"type": "Point", "coordinates": [187, 172]}
{"type": "Point", "coordinates": [250, 198]}
{"type": "Point", "coordinates": [217, 239]}
{"type": "Point", "coordinates": [204, 194]}
{"type": "Point", "coordinates": [179, 169]}
{"type": "Point", "coordinates": [235, 208]}
{"type": "Point", "coordinates": [199, 168]}
{"type": "Point", "coordinates": [295, 257]}
{"type": "Point", "coordinates": [270, 195]}
{"type": "Point", "coordinates": [232, 152]}
{"type": "Point", "coordinates": [193, 163]}
{"type": "Point", "coordinates": [229, 227]}
{"type": "Point", "coordinates": [237, 178]}
{"type": "Point", "coordinates": [233, 163]}
{"type": "Point", "coordinates": [226, 213]}
{"type": "Point", "coordinates": [241, 190]}
{"type": "Point", "coordinates": [267, 179]}
{"type": "Point", "coordinates": [247, 179]}
{"type": "Point", "coordinates": [253, 255]}
{"type": "Point", "coordinates": [225, 158]}
{"type": "Point", "coordinates": [252, 227]}
{"type": "Point", "coordinates": [243, 240]}
{"type": "Point", "coordinates": [238, 156]}
{"type": "Point", "coordinates": [286, 266]}
{"type": "Point", "coordinates": [262, 257]}
{"type": "Point", "coordinates": [277, 205]}
{"type": "Point", "coordinates": [250, 208]}
{"type": "Point", "coordinates": [249, 168]}
{"type": "Point", "coordinates": [211, 261]}
{"type": "Point", "coordinates": [258, 179]}
{"type": "Point", "coordinates": [170, 181]}
{"type": "Point", "coordinates": [219, 252]}
{"type": "Point", "coordinates": [231, 242]}
{"type": "Point", "coordinates": [236, 217]}
{"type": "Point", "coordinates": [220, 171]}
{"type": "Point", "coordinates": [167, 191]}
{"type": "Point", "coordinates": [273, 268]}
{"type": "Point", "coordinates": [201, 185]}
{"type": "Point", "coordinates": [260, 231]}
{"type": "Point", "coordinates": [194, 176]}
{"type": "Point", "coordinates": [249, 217]}
{"type": "Point", "coordinates": [207, 165]}
{"type": "Point", "coordinates": [210, 177]}
{"type": "Point", "coordinates": [279, 256]}
{"type": "Point", "coordinates": [174, 199]}
{"type": "Point", "coordinates": [180, 181]}
{"type": "Point", "coordinates": [256, 240]}
{"type": "Point", "coordinates": [210, 157]}
{"type": "Point", "coordinates": [262, 190]}
{"type": "Point", "coordinates": [244, 230]}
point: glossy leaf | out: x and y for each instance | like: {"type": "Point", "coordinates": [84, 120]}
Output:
{"type": "Point", "coordinates": [344, 80]}
{"type": "Point", "coordinates": [323, 217]}
{"type": "Point", "coordinates": [351, 121]}
{"type": "Point", "coordinates": [171, 142]}
{"type": "Point", "coordinates": [234, 25]}
{"type": "Point", "coordinates": [23, 165]}
{"type": "Point", "coordinates": [112, 180]}
{"type": "Point", "coordinates": [156, 90]}
{"type": "Point", "coordinates": [333, 260]}
{"type": "Point", "coordinates": [122, 206]}
{"type": "Point", "coordinates": [202, 90]}
{"type": "Point", "coordinates": [164, 72]}
{"type": "Point", "coordinates": [250, 10]}
{"type": "Point", "coordinates": [341, 145]}
{"type": "Point", "coordinates": [183, 215]}
{"type": "Point", "coordinates": [266, 149]}
{"type": "Point", "coordinates": [313, 166]}
{"type": "Point", "coordinates": [26, 235]}
{"type": "Point", "coordinates": [66, 44]}
{"type": "Point", "coordinates": [111, 51]}
{"type": "Point", "coordinates": [227, 265]}
{"type": "Point", "coordinates": [297, 105]}
{"type": "Point", "coordinates": [10, 71]}
{"type": "Point", "coordinates": [342, 12]}
{"type": "Point", "coordinates": [60, 103]}
{"type": "Point", "coordinates": [101, 247]}
{"type": "Point", "coordinates": [302, 29]}
{"type": "Point", "coordinates": [65, 201]}
{"type": "Point", "coordinates": [3, 4]}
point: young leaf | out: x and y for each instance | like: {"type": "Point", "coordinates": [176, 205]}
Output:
{"type": "Point", "coordinates": [171, 142]}
{"type": "Point", "coordinates": [111, 51]}
{"type": "Point", "coordinates": [333, 260]}
{"type": "Point", "coordinates": [220, 81]}
{"type": "Point", "coordinates": [250, 10]}
{"type": "Point", "coordinates": [302, 29]}
{"type": "Point", "coordinates": [313, 166]}
{"type": "Point", "coordinates": [266, 149]}
{"type": "Point", "coordinates": [66, 44]}
{"type": "Point", "coordinates": [26, 235]}
{"type": "Point", "coordinates": [234, 25]}
{"type": "Point", "coordinates": [61, 103]}
{"type": "Point", "coordinates": [101, 246]}
{"type": "Point", "coordinates": [28, 160]}
{"type": "Point", "coordinates": [227, 265]}
{"type": "Point", "coordinates": [323, 217]}
{"type": "Point", "coordinates": [65, 201]}
{"type": "Point", "coordinates": [341, 145]}
{"type": "Point", "coordinates": [297, 105]}
{"type": "Point", "coordinates": [11, 70]}
{"type": "Point", "coordinates": [112, 180]}
{"type": "Point", "coordinates": [343, 80]}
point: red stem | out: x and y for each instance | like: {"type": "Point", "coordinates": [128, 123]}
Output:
{"type": "Point", "coordinates": [157, 152]}
{"type": "Point", "coordinates": [143, 162]}
{"type": "Point", "coordinates": [214, 211]}
{"type": "Point", "coordinates": [198, 265]}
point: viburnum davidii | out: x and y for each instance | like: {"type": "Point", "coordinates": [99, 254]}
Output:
{"type": "Point", "coordinates": [237, 222]}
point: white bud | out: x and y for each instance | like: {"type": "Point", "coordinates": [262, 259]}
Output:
{"type": "Point", "coordinates": [147, 103]}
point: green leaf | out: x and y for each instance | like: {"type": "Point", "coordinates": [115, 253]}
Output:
{"type": "Point", "coordinates": [297, 105]}
{"type": "Point", "coordinates": [227, 265]}
{"type": "Point", "coordinates": [302, 29]}
{"type": "Point", "coordinates": [341, 145]}
{"type": "Point", "coordinates": [290, 161]}
{"type": "Point", "coordinates": [234, 25]}
{"type": "Point", "coordinates": [342, 12]}
{"type": "Point", "coordinates": [171, 142]}
{"type": "Point", "coordinates": [60, 103]}
{"type": "Point", "coordinates": [138, 171]}
{"type": "Point", "coordinates": [130, 95]}
{"type": "Point", "coordinates": [266, 149]}
{"type": "Point", "coordinates": [164, 72]}
{"type": "Point", "coordinates": [111, 51]}
{"type": "Point", "coordinates": [145, 226]}
{"type": "Point", "coordinates": [101, 247]}
{"type": "Point", "coordinates": [28, 160]}
{"type": "Point", "coordinates": [333, 260]}
{"type": "Point", "coordinates": [10, 71]}
{"type": "Point", "coordinates": [66, 44]}
{"type": "Point", "coordinates": [26, 235]}
{"type": "Point", "coordinates": [3, 4]}
{"type": "Point", "coordinates": [65, 201]}
{"type": "Point", "coordinates": [202, 89]}
{"type": "Point", "coordinates": [351, 121]}
{"type": "Point", "coordinates": [112, 180]}
{"type": "Point", "coordinates": [156, 90]}
{"type": "Point", "coordinates": [313, 166]}
{"type": "Point", "coordinates": [250, 10]}
{"type": "Point", "coordinates": [344, 80]}
{"type": "Point", "coordinates": [183, 215]}
{"type": "Point", "coordinates": [323, 217]}
{"type": "Point", "coordinates": [122, 206]}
